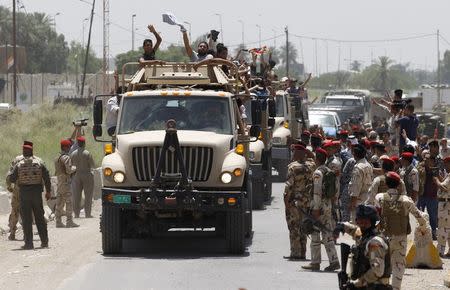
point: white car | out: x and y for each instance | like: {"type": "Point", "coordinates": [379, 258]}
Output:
{"type": "Point", "coordinates": [329, 121]}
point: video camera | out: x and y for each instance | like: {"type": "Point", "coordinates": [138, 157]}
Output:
{"type": "Point", "coordinates": [81, 122]}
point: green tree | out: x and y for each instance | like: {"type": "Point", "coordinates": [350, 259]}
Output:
{"type": "Point", "coordinates": [295, 69]}
{"type": "Point", "coordinates": [46, 51]}
{"type": "Point", "coordinates": [445, 67]}
{"type": "Point", "coordinates": [76, 57]}
{"type": "Point", "coordinates": [381, 77]}
{"type": "Point", "coordinates": [355, 66]}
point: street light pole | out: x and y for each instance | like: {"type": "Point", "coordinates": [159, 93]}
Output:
{"type": "Point", "coordinates": [221, 27]}
{"type": "Point", "coordinates": [132, 31]}
{"type": "Point", "coordinates": [14, 56]}
{"type": "Point", "coordinates": [243, 36]}
{"type": "Point", "coordinates": [259, 34]}
{"type": "Point", "coordinates": [190, 29]}
{"type": "Point", "coordinates": [274, 38]}
{"type": "Point", "coordinates": [84, 23]}
{"type": "Point", "coordinates": [56, 41]}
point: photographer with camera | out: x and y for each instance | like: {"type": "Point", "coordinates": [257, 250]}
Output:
{"type": "Point", "coordinates": [77, 132]}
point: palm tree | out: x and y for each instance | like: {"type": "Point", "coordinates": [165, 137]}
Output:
{"type": "Point", "coordinates": [382, 73]}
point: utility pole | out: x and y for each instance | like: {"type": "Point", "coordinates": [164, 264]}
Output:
{"type": "Point", "coordinates": [87, 49]}
{"type": "Point", "coordinates": [221, 27]}
{"type": "Point", "coordinates": [326, 43]}
{"type": "Point", "coordinates": [106, 46]}
{"type": "Point", "coordinates": [259, 34]}
{"type": "Point", "coordinates": [274, 38]}
{"type": "Point", "coordinates": [132, 31]}
{"type": "Point", "coordinates": [243, 36]}
{"type": "Point", "coordinates": [14, 56]}
{"type": "Point", "coordinates": [287, 50]}
{"type": "Point", "coordinates": [438, 72]}
{"type": "Point", "coordinates": [315, 53]}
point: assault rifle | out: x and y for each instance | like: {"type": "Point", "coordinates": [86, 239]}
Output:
{"type": "Point", "coordinates": [310, 224]}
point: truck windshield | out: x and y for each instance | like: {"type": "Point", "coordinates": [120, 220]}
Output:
{"type": "Point", "coordinates": [280, 106]}
{"type": "Point", "coordinates": [191, 113]}
{"type": "Point", "coordinates": [343, 102]}
{"type": "Point", "coordinates": [322, 120]}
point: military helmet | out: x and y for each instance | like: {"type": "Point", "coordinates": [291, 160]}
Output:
{"type": "Point", "coordinates": [367, 211]}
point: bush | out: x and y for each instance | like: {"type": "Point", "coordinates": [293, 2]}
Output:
{"type": "Point", "coordinates": [45, 126]}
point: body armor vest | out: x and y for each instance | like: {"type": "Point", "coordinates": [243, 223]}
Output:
{"type": "Point", "coordinates": [395, 217]}
{"type": "Point", "coordinates": [29, 171]}
{"type": "Point", "coordinates": [60, 167]}
{"type": "Point", "coordinates": [407, 181]}
{"type": "Point", "coordinates": [361, 263]}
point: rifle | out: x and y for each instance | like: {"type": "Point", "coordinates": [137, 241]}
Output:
{"type": "Point", "coordinates": [344, 282]}
{"type": "Point", "coordinates": [310, 224]}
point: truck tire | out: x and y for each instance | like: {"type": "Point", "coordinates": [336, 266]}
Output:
{"type": "Point", "coordinates": [257, 194]}
{"type": "Point", "coordinates": [248, 211]}
{"type": "Point", "coordinates": [235, 232]}
{"type": "Point", "coordinates": [268, 179]}
{"type": "Point", "coordinates": [111, 230]}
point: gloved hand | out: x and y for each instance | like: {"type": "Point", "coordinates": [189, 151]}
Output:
{"type": "Point", "coordinates": [340, 228]}
{"type": "Point", "coordinates": [182, 29]}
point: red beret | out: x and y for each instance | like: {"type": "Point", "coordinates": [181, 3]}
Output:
{"type": "Point", "coordinates": [28, 143]}
{"type": "Point", "coordinates": [373, 143]}
{"type": "Point", "coordinates": [306, 133]}
{"type": "Point", "coordinates": [407, 155]}
{"type": "Point", "coordinates": [355, 128]}
{"type": "Point", "coordinates": [336, 143]}
{"type": "Point", "coordinates": [297, 147]}
{"type": "Point", "coordinates": [65, 142]}
{"type": "Point", "coordinates": [393, 175]}
{"type": "Point", "coordinates": [81, 139]}
{"type": "Point", "coordinates": [447, 159]}
{"type": "Point", "coordinates": [327, 144]}
{"type": "Point", "coordinates": [321, 151]}
{"type": "Point", "coordinates": [27, 147]}
{"type": "Point", "coordinates": [316, 136]}
{"type": "Point", "coordinates": [388, 160]}
{"type": "Point", "coordinates": [343, 132]}
{"type": "Point", "coordinates": [395, 158]}
{"type": "Point", "coordinates": [366, 143]}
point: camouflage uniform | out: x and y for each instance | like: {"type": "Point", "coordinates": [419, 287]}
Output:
{"type": "Point", "coordinates": [410, 176]}
{"type": "Point", "coordinates": [376, 250]}
{"type": "Point", "coordinates": [15, 203]}
{"type": "Point", "coordinates": [443, 231]}
{"type": "Point", "coordinates": [335, 164]}
{"type": "Point", "coordinates": [395, 210]}
{"type": "Point", "coordinates": [30, 173]}
{"type": "Point", "coordinates": [298, 194]}
{"type": "Point", "coordinates": [323, 204]}
{"type": "Point", "coordinates": [379, 186]}
{"type": "Point", "coordinates": [360, 183]}
{"type": "Point", "coordinates": [82, 180]}
{"type": "Point", "coordinates": [63, 171]}
{"type": "Point", "coordinates": [344, 197]}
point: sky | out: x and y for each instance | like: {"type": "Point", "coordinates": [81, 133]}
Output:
{"type": "Point", "coordinates": [310, 23]}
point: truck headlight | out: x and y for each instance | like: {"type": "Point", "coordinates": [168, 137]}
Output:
{"type": "Point", "coordinates": [119, 177]}
{"type": "Point", "coordinates": [226, 177]}
{"type": "Point", "coordinates": [276, 140]}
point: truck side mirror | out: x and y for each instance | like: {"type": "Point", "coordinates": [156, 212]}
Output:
{"type": "Point", "coordinates": [255, 130]}
{"type": "Point", "coordinates": [256, 112]}
{"type": "Point", "coordinates": [98, 112]}
{"type": "Point", "coordinates": [272, 108]}
{"type": "Point", "coordinates": [97, 130]}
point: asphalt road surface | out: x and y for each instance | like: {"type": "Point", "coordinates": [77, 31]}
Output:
{"type": "Point", "coordinates": [202, 263]}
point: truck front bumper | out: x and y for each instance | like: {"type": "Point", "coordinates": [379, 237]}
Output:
{"type": "Point", "coordinates": [148, 199]}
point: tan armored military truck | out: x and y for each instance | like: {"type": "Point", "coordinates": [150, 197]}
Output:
{"type": "Point", "coordinates": [262, 108]}
{"type": "Point", "coordinates": [179, 158]}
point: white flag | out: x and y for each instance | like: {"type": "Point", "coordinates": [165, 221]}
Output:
{"type": "Point", "coordinates": [169, 18]}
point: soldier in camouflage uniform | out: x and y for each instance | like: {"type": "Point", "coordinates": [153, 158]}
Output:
{"type": "Point", "coordinates": [321, 207]}
{"type": "Point", "coordinates": [30, 173]}
{"type": "Point", "coordinates": [410, 175]}
{"type": "Point", "coordinates": [334, 162]}
{"type": "Point", "coordinates": [63, 172]}
{"type": "Point", "coordinates": [443, 231]}
{"type": "Point", "coordinates": [395, 209]}
{"type": "Point", "coordinates": [298, 194]}
{"type": "Point", "coordinates": [344, 196]}
{"type": "Point", "coordinates": [379, 183]}
{"type": "Point", "coordinates": [361, 179]}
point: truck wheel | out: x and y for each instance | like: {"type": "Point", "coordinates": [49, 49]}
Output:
{"type": "Point", "coordinates": [257, 194]}
{"type": "Point", "coordinates": [235, 232]}
{"type": "Point", "coordinates": [248, 211]}
{"type": "Point", "coordinates": [111, 230]}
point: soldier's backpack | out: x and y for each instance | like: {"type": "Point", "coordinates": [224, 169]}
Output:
{"type": "Point", "coordinates": [328, 182]}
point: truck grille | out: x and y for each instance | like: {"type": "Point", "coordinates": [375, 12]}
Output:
{"type": "Point", "coordinates": [198, 162]}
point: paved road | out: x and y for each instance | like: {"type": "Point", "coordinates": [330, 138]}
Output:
{"type": "Point", "coordinates": [188, 263]}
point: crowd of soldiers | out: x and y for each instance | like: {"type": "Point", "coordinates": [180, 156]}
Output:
{"type": "Point", "coordinates": [361, 180]}
{"type": "Point", "coordinates": [27, 177]}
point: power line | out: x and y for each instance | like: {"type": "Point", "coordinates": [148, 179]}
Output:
{"type": "Point", "coordinates": [443, 38]}
{"type": "Point", "coordinates": [367, 40]}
